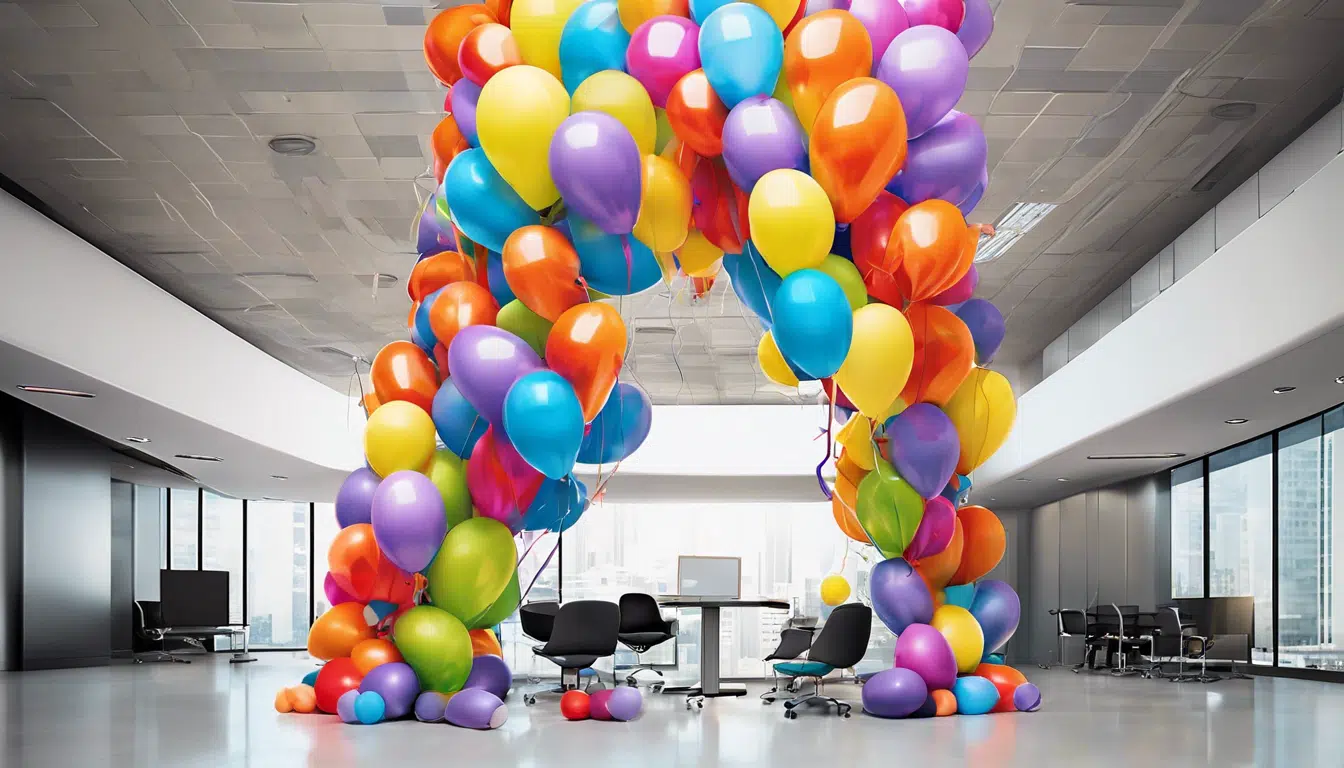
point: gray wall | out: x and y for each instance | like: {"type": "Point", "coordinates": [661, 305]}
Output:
{"type": "Point", "coordinates": [122, 586]}
{"type": "Point", "coordinates": [1015, 570]}
{"type": "Point", "coordinates": [11, 533]}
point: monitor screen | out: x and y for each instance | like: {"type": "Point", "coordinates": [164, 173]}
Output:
{"type": "Point", "coordinates": [194, 598]}
{"type": "Point", "coordinates": [709, 576]}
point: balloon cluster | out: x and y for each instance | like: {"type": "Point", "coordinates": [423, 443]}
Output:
{"type": "Point", "coordinates": [619, 704]}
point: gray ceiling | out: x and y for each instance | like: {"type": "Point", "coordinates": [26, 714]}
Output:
{"type": "Point", "coordinates": [143, 124]}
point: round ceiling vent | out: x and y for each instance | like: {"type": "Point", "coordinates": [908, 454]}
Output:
{"type": "Point", "coordinates": [1233, 110]}
{"type": "Point", "coordinates": [292, 146]}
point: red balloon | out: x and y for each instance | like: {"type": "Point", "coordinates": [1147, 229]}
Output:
{"type": "Point", "coordinates": [696, 114]}
{"type": "Point", "coordinates": [944, 355]}
{"type": "Point", "coordinates": [868, 237]}
{"type": "Point", "coordinates": [1005, 679]}
{"type": "Point", "coordinates": [432, 273]}
{"type": "Point", "coordinates": [486, 50]}
{"type": "Point", "coordinates": [444, 37]}
{"type": "Point", "coordinates": [715, 211]}
{"type": "Point", "coordinates": [458, 306]}
{"type": "Point", "coordinates": [358, 566]}
{"type": "Point", "coordinates": [334, 679]}
{"type": "Point", "coordinates": [574, 705]}
{"type": "Point", "coordinates": [402, 371]}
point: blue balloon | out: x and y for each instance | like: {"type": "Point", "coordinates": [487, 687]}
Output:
{"type": "Point", "coordinates": [813, 322]}
{"type": "Point", "coordinates": [975, 695]}
{"type": "Point", "coordinates": [602, 259]}
{"type": "Point", "coordinates": [961, 595]}
{"type": "Point", "coordinates": [985, 322]}
{"type": "Point", "coordinates": [499, 285]}
{"type": "Point", "coordinates": [958, 490]}
{"type": "Point", "coordinates": [700, 9]}
{"type": "Point", "coordinates": [592, 40]}
{"type": "Point", "coordinates": [544, 421]}
{"type": "Point", "coordinates": [619, 428]}
{"type": "Point", "coordinates": [754, 282]}
{"type": "Point", "coordinates": [422, 327]}
{"type": "Point", "coordinates": [420, 342]}
{"type": "Point", "coordinates": [369, 708]}
{"type": "Point", "coordinates": [310, 678]}
{"type": "Point", "coordinates": [840, 244]}
{"type": "Point", "coordinates": [557, 506]}
{"type": "Point", "coordinates": [741, 51]}
{"type": "Point", "coordinates": [480, 202]}
{"type": "Point", "coordinates": [457, 422]}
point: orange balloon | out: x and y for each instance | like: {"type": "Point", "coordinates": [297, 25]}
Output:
{"type": "Point", "coordinates": [432, 273]}
{"type": "Point", "coordinates": [484, 643]}
{"type": "Point", "coordinates": [937, 570]}
{"type": "Point", "coordinates": [587, 346]}
{"type": "Point", "coordinates": [823, 51]}
{"type": "Point", "coordinates": [337, 631]}
{"type": "Point", "coordinates": [542, 270]}
{"type": "Point", "coordinates": [1004, 678]}
{"type": "Point", "coordinates": [696, 114]}
{"type": "Point", "coordinates": [501, 8]}
{"type": "Point", "coordinates": [868, 237]}
{"type": "Point", "coordinates": [458, 306]}
{"type": "Point", "coordinates": [857, 144]}
{"type": "Point", "coordinates": [944, 355]}
{"type": "Point", "coordinates": [402, 371]}
{"type": "Point", "coordinates": [965, 257]}
{"type": "Point", "coordinates": [371, 653]}
{"type": "Point", "coordinates": [445, 143]}
{"type": "Point", "coordinates": [358, 566]}
{"type": "Point", "coordinates": [928, 241]}
{"type": "Point", "coordinates": [701, 286]}
{"type": "Point", "coordinates": [444, 37]}
{"type": "Point", "coordinates": [844, 501]}
{"type": "Point", "coordinates": [282, 704]}
{"type": "Point", "coordinates": [984, 544]}
{"type": "Point", "coordinates": [370, 403]}
{"type": "Point", "coordinates": [486, 50]}
{"type": "Point", "coordinates": [302, 698]}
{"type": "Point", "coordinates": [945, 702]}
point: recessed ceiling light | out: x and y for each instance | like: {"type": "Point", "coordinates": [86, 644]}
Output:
{"type": "Point", "coordinates": [1233, 110]}
{"type": "Point", "coordinates": [1235, 421]}
{"type": "Point", "coordinates": [1125, 456]}
{"type": "Point", "coordinates": [270, 498]}
{"type": "Point", "coordinates": [1062, 479]}
{"type": "Point", "coordinates": [292, 146]}
{"type": "Point", "coordinates": [55, 391]}
{"type": "Point", "coordinates": [137, 439]}
{"type": "Point", "coordinates": [279, 477]}
{"type": "Point", "coordinates": [1024, 479]}
{"type": "Point", "coordinates": [196, 457]}
{"type": "Point", "coordinates": [1283, 390]}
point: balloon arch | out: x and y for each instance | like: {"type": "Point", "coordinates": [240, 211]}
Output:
{"type": "Point", "coordinates": [810, 150]}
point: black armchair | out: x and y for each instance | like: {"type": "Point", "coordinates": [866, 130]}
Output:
{"type": "Point", "coordinates": [585, 631]}
{"type": "Point", "coordinates": [643, 627]}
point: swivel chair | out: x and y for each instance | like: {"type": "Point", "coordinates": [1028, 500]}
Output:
{"type": "Point", "coordinates": [842, 643]}
{"type": "Point", "coordinates": [1069, 622]}
{"type": "Point", "coordinates": [1172, 642]}
{"type": "Point", "coordinates": [538, 619]}
{"type": "Point", "coordinates": [585, 631]}
{"type": "Point", "coordinates": [794, 643]}
{"type": "Point", "coordinates": [642, 628]}
{"type": "Point", "coordinates": [148, 632]}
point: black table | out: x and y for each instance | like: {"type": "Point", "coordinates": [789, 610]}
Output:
{"type": "Point", "coordinates": [232, 630]}
{"type": "Point", "coordinates": [709, 686]}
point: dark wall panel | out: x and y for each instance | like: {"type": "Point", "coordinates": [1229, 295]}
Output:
{"type": "Point", "coordinates": [1044, 590]}
{"type": "Point", "coordinates": [1142, 544]}
{"type": "Point", "coordinates": [122, 585]}
{"type": "Point", "coordinates": [1112, 586]}
{"type": "Point", "coordinates": [1073, 552]}
{"type": "Point", "coordinates": [11, 534]}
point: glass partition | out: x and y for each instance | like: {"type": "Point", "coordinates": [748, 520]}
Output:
{"type": "Point", "coordinates": [1241, 535]}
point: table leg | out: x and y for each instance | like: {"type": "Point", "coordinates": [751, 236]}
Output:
{"type": "Point", "coordinates": [245, 656]}
{"type": "Point", "coordinates": [709, 650]}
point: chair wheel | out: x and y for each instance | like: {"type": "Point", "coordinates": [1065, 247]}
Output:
{"type": "Point", "coordinates": [789, 714]}
{"type": "Point", "coordinates": [845, 715]}
{"type": "Point", "coordinates": [700, 704]}
{"type": "Point", "coordinates": [767, 702]}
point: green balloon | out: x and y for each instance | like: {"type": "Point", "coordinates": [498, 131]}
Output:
{"type": "Point", "coordinates": [437, 647]}
{"type": "Point", "coordinates": [502, 609]}
{"type": "Point", "coordinates": [527, 325]}
{"type": "Point", "coordinates": [889, 509]}
{"type": "Point", "coordinates": [844, 272]}
{"type": "Point", "coordinates": [473, 568]}
{"type": "Point", "coordinates": [449, 475]}
{"type": "Point", "coordinates": [664, 133]}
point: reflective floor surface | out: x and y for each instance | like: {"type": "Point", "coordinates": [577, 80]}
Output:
{"type": "Point", "coordinates": [211, 713]}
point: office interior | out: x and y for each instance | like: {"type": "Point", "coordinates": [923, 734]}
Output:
{"type": "Point", "coordinates": [190, 315]}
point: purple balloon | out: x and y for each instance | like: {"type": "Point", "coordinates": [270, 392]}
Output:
{"type": "Point", "coordinates": [894, 693]}
{"type": "Point", "coordinates": [429, 707]}
{"type": "Point", "coordinates": [883, 19]}
{"type": "Point", "coordinates": [354, 502]}
{"type": "Point", "coordinates": [817, 6]}
{"type": "Point", "coordinates": [596, 166]}
{"type": "Point", "coordinates": [946, 14]}
{"type": "Point", "coordinates": [900, 596]}
{"type": "Point", "coordinates": [345, 706]}
{"type": "Point", "coordinates": [927, 68]}
{"type": "Point", "coordinates": [395, 681]}
{"type": "Point", "coordinates": [945, 163]}
{"type": "Point", "coordinates": [408, 520]}
{"type": "Point", "coordinates": [987, 328]}
{"type": "Point", "coordinates": [976, 27]}
{"type": "Point", "coordinates": [923, 445]}
{"type": "Point", "coordinates": [485, 361]}
{"type": "Point", "coordinates": [961, 291]}
{"type": "Point", "coordinates": [935, 531]}
{"type": "Point", "coordinates": [968, 205]}
{"type": "Point", "coordinates": [998, 610]}
{"type": "Point", "coordinates": [1026, 698]}
{"type": "Point", "coordinates": [429, 236]}
{"type": "Point", "coordinates": [924, 651]}
{"type": "Point", "coordinates": [759, 136]}
{"type": "Point", "coordinates": [475, 708]}
{"type": "Point", "coordinates": [625, 703]}
{"type": "Point", "coordinates": [490, 673]}
{"type": "Point", "coordinates": [464, 96]}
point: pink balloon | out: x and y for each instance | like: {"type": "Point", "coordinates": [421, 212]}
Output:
{"type": "Point", "coordinates": [947, 14]}
{"type": "Point", "coordinates": [883, 19]}
{"type": "Point", "coordinates": [661, 51]}
{"type": "Point", "coordinates": [935, 529]}
{"type": "Point", "coordinates": [502, 484]}
{"type": "Point", "coordinates": [335, 595]}
{"type": "Point", "coordinates": [962, 291]}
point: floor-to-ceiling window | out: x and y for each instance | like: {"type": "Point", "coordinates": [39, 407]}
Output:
{"type": "Point", "coordinates": [325, 529]}
{"type": "Point", "coordinates": [1302, 556]}
{"type": "Point", "coordinates": [1241, 535]}
{"type": "Point", "coordinates": [278, 575]}
{"type": "Point", "coordinates": [1187, 530]}
{"type": "Point", "coordinates": [222, 545]}
{"type": "Point", "coordinates": [184, 520]}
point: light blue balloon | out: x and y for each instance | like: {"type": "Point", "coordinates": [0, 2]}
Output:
{"type": "Point", "coordinates": [457, 422]}
{"type": "Point", "coordinates": [557, 506]}
{"type": "Point", "coordinates": [700, 9]}
{"type": "Point", "coordinates": [370, 707]}
{"type": "Point", "coordinates": [975, 695]}
{"type": "Point", "coordinates": [499, 285]}
{"type": "Point", "coordinates": [741, 51]}
{"type": "Point", "coordinates": [813, 322]}
{"type": "Point", "coordinates": [961, 595]}
{"type": "Point", "coordinates": [478, 200]}
{"type": "Point", "coordinates": [422, 327]}
{"type": "Point", "coordinates": [544, 421]}
{"type": "Point", "coordinates": [754, 282]}
{"type": "Point", "coordinates": [619, 428]}
{"type": "Point", "coordinates": [602, 259]}
{"type": "Point", "coordinates": [592, 40]}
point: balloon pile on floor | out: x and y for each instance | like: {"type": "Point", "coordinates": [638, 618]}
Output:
{"type": "Point", "coordinates": [619, 704]}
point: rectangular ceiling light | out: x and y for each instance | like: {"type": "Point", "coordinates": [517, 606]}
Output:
{"type": "Point", "coordinates": [55, 391]}
{"type": "Point", "coordinates": [1011, 228]}
{"type": "Point", "coordinates": [1131, 456]}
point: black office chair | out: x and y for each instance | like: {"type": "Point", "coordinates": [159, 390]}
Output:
{"type": "Point", "coordinates": [642, 628]}
{"type": "Point", "coordinates": [794, 642]}
{"type": "Point", "coordinates": [585, 631]}
{"type": "Point", "coordinates": [842, 643]}
{"type": "Point", "coordinates": [1175, 641]}
{"type": "Point", "coordinates": [538, 619]}
{"type": "Point", "coordinates": [148, 642]}
{"type": "Point", "coordinates": [1118, 625]}
{"type": "Point", "coordinates": [1069, 622]}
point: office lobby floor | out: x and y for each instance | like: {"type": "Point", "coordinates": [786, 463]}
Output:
{"type": "Point", "coordinates": [211, 713]}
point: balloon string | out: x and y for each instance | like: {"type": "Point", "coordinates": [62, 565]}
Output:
{"type": "Point", "coordinates": [830, 416]}
{"type": "Point", "coordinates": [540, 570]}
{"type": "Point", "coordinates": [629, 262]}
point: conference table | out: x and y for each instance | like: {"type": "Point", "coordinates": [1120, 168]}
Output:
{"type": "Point", "coordinates": [710, 607]}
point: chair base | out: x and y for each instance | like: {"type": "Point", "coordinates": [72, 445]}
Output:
{"type": "Point", "coordinates": [695, 695]}
{"type": "Point", "coordinates": [158, 657]}
{"type": "Point", "coordinates": [632, 679]}
{"type": "Point", "coordinates": [842, 709]}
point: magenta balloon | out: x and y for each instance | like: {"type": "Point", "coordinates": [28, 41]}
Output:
{"type": "Point", "coordinates": [485, 361]}
{"type": "Point", "coordinates": [900, 596]}
{"type": "Point", "coordinates": [354, 502]}
{"type": "Point", "coordinates": [945, 164]}
{"type": "Point", "coordinates": [408, 520]}
{"type": "Point", "coordinates": [927, 67]}
{"type": "Point", "coordinates": [661, 51]}
{"type": "Point", "coordinates": [977, 26]}
{"type": "Point", "coordinates": [884, 20]}
{"type": "Point", "coordinates": [395, 681]}
{"type": "Point", "coordinates": [597, 704]}
{"type": "Point", "coordinates": [490, 673]}
{"type": "Point", "coordinates": [761, 135]}
{"type": "Point", "coordinates": [924, 651]}
{"type": "Point", "coordinates": [923, 445]}
{"type": "Point", "coordinates": [947, 14]}
{"type": "Point", "coordinates": [335, 595]}
{"type": "Point", "coordinates": [998, 609]}
{"type": "Point", "coordinates": [894, 693]}
{"type": "Point", "coordinates": [475, 708]}
{"type": "Point", "coordinates": [501, 483]}
{"type": "Point", "coordinates": [935, 530]}
{"type": "Point", "coordinates": [596, 166]}
{"type": "Point", "coordinates": [961, 291]}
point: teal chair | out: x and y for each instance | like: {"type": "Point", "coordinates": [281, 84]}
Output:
{"type": "Point", "coordinates": [842, 643]}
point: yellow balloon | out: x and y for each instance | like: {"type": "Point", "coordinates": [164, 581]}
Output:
{"type": "Point", "coordinates": [772, 363]}
{"type": "Point", "coordinates": [963, 633]}
{"type": "Point", "coordinates": [834, 589]}
{"type": "Point", "coordinates": [665, 204]}
{"type": "Point", "coordinates": [536, 26]}
{"type": "Point", "coordinates": [519, 110]}
{"type": "Point", "coordinates": [636, 12]}
{"type": "Point", "coordinates": [665, 132]}
{"type": "Point", "coordinates": [780, 10]}
{"type": "Point", "coordinates": [698, 256]}
{"type": "Point", "coordinates": [398, 436]}
{"type": "Point", "coordinates": [857, 438]}
{"type": "Point", "coordinates": [879, 360]}
{"type": "Point", "coordinates": [621, 96]}
{"type": "Point", "coordinates": [983, 411]}
{"type": "Point", "coordinates": [792, 223]}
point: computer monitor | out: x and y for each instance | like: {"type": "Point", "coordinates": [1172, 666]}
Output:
{"type": "Point", "coordinates": [194, 598]}
{"type": "Point", "coordinates": [709, 576]}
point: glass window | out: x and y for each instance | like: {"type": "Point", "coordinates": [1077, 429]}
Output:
{"type": "Point", "coordinates": [540, 567]}
{"type": "Point", "coordinates": [1304, 562]}
{"type": "Point", "coordinates": [278, 579]}
{"type": "Point", "coordinates": [183, 521]}
{"type": "Point", "coordinates": [150, 539]}
{"type": "Point", "coordinates": [1241, 538]}
{"type": "Point", "coordinates": [325, 528]}
{"type": "Point", "coordinates": [222, 545]}
{"type": "Point", "coordinates": [1187, 530]}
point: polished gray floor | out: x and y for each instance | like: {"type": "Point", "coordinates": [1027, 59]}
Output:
{"type": "Point", "coordinates": [213, 714]}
